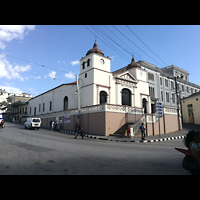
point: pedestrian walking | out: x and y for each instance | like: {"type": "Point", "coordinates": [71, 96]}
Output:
{"type": "Point", "coordinates": [61, 125]}
{"type": "Point", "coordinates": [55, 126]}
{"type": "Point", "coordinates": [13, 120]}
{"type": "Point", "coordinates": [2, 124]}
{"type": "Point", "coordinates": [52, 125]}
{"type": "Point", "coordinates": [76, 127]}
{"type": "Point", "coordinates": [127, 132]}
{"type": "Point", "coordinates": [80, 130]}
{"type": "Point", "coordinates": [142, 131]}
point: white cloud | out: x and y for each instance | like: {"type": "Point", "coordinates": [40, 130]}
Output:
{"type": "Point", "coordinates": [61, 62]}
{"type": "Point", "coordinates": [112, 58]}
{"type": "Point", "coordinates": [11, 89]}
{"type": "Point", "coordinates": [38, 77]}
{"type": "Point", "coordinates": [2, 45]}
{"type": "Point", "coordinates": [76, 62]}
{"type": "Point", "coordinates": [9, 71]}
{"type": "Point", "coordinates": [10, 32]}
{"type": "Point", "coordinates": [70, 75]}
{"type": "Point", "coordinates": [52, 75]}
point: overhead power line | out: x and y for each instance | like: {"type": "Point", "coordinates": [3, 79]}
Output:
{"type": "Point", "coordinates": [41, 65]}
{"type": "Point", "coordinates": [146, 45]}
{"type": "Point", "coordinates": [36, 63]}
{"type": "Point", "coordinates": [111, 39]}
{"type": "Point", "coordinates": [137, 46]}
{"type": "Point", "coordinates": [106, 42]}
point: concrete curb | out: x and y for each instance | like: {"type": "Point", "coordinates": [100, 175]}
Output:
{"type": "Point", "coordinates": [134, 141]}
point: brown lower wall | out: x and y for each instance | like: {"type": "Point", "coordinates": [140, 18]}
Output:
{"type": "Point", "coordinates": [171, 123]}
{"type": "Point", "coordinates": [106, 123]}
{"type": "Point", "coordinates": [168, 124]}
{"type": "Point", "coordinates": [114, 121]}
{"type": "Point", "coordinates": [94, 123]}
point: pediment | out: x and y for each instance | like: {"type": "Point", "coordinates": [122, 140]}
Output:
{"type": "Point", "coordinates": [127, 76]}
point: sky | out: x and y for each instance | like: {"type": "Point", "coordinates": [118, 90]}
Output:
{"type": "Point", "coordinates": [37, 58]}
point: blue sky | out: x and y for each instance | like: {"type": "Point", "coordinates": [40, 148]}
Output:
{"type": "Point", "coordinates": [37, 58]}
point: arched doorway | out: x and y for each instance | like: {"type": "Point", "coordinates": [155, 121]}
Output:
{"type": "Point", "coordinates": [144, 105]}
{"type": "Point", "coordinates": [103, 97]}
{"type": "Point", "coordinates": [126, 97]}
{"type": "Point", "coordinates": [65, 103]}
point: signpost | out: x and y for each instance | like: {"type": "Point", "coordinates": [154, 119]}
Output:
{"type": "Point", "coordinates": [159, 113]}
{"type": "Point", "coordinates": [159, 110]}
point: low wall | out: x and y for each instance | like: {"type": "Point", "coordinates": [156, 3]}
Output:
{"type": "Point", "coordinates": [107, 119]}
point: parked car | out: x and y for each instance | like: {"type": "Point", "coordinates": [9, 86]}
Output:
{"type": "Point", "coordinates": [32, 123]}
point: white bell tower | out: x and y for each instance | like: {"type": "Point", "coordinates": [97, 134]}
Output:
{"type": "Point", "coordinates": [94, 71]}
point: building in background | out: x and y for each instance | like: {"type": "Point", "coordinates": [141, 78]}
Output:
{"type": "Point", "coordinates": [18, 106]}
{"type": "Point", "coordinates": [191, 109]}
{"type": "Point", "coordinates": [3, 101]}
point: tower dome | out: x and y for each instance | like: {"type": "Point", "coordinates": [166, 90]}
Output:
{"type": "Point", "coordinates": [95, 50]}
{"type": "Point", "coordinates": [132, 64]}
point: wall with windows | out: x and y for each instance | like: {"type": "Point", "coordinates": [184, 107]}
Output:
{"type": "Point", "coordinates": [53, 100]}
{"type": "Point", "coordinates": [162, 83]}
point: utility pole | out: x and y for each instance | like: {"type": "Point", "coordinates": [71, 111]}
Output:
{"type": "Point", "coordinates": [178, 114]}
{"type": "Point", "coordinates": [79, 105]}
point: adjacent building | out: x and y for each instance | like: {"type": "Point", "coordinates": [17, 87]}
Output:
{"type": "Point", "coordinates": [191, 109]}
{"type": "Point", "coordinates": [18, 106]}
{"type": "Point", "coordinates": [3, 101]}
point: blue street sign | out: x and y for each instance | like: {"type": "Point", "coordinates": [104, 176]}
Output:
{"type": "Point", "coordinates": [160, 104]}
{"type": "Point", "coordinates": [160, 109]}
{"type": "Point", "coordinates": [78, 116]}
{"type": "Point", "coordinates": [160, 113]}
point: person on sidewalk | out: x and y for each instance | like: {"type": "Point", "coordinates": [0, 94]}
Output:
{"type": "Point", "coordinates": [142, 131]}
{"type": "Point", "coordinates": [128, 132]}
{"type": "Point", "coordinates": [80, 130]}
{"type": "Point", "coordinates": [2, 124]}
{"type": "Point", "coordinates": [52, 125]}
{"type": "Point", "coordinates": [76, 127]}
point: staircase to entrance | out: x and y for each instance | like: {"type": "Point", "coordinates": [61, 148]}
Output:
{"type": "Point", "coordinates": [135, 126]}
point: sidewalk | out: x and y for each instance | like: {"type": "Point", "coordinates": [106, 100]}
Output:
{"type": "Point", "coordinates": [164, 137]}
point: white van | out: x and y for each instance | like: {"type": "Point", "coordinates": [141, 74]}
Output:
{"type": "Point", "coordinates": [32, 123]}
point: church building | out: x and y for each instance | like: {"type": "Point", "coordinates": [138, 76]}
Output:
{"type": "Point", "coordinates": [109, 101]}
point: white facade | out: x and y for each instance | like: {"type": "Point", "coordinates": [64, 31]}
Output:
{"type": "Point", "coordinates": [96, 77]}
{"type": "Point", "coordinates": [53, 100]}
{"type": "Point", "coordinates": [162, 83]}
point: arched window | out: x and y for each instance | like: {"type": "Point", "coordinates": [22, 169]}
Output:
{"type": "Point", "coordinates": [126, 97]}
{"type": "Point", "coordinates": [65, 103]}
{"type": "Point", "coordinates": [144, 105]}
{"type": "Point", "coordinates": [103, 97]}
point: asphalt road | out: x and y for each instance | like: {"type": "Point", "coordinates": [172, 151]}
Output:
{"type": "Point", "coordinates": [44, 152]}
